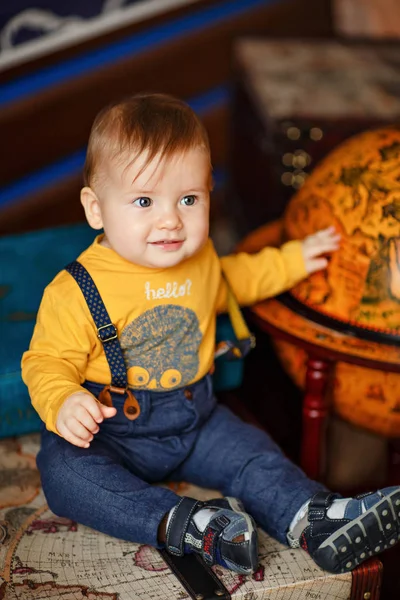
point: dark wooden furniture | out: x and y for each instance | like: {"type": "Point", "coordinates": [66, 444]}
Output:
{"type": "Point", "coordinates": [294, 101]}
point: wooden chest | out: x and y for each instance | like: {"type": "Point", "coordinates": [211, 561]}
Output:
{"type": "Point", "coordinates": [294, 101]}
{"type": "Point", "coordinates": [47, 557]}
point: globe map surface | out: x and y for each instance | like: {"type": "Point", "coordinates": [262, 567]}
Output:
{"type": "Point", "coordinates": [356, 189]}
{"type": "Point", "coordinates": [354, 305]}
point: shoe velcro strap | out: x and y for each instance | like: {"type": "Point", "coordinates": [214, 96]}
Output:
{"type": "Point", "coordinates": [319, 504]}
{"type": "Point", "coordinates": [179, 523]}
{"type": "Point", "coordinates": [210, 537]}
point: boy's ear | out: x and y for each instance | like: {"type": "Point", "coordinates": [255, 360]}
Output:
{"type": "Point", "coordinates": [91, 206]}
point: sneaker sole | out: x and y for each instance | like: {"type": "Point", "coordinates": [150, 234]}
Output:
{"type": "Point", "coordinates": [372, 532]}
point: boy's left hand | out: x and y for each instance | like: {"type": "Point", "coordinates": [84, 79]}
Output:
{"type": "Point", "coordinates": [321, 242]}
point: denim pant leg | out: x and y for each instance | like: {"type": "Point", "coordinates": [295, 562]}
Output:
{"type": "Point", "coordinates": [93, 486]}
{"type": "Point", "coordinates": [107, 486]}
{"type": "Point", "coordinates": [241, 460]}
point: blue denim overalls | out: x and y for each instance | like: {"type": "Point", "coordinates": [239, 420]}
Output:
{"type": "Point", "coordinates": [179, 435]}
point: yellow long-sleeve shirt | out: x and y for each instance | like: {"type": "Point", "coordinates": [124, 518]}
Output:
{"type": "Point", "coordinates": [166, 319]}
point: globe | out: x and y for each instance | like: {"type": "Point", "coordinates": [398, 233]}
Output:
{"type": "Point", "coordinates": [356, 189]}
{"type": "Point", "coordinates": [353, 305]}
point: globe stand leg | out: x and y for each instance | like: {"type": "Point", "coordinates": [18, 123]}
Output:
{"type": "Point", "coordinates": [315, 414]}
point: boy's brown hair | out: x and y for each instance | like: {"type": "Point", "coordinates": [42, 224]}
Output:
{"type": "Point", "coordinates": [155, 123]}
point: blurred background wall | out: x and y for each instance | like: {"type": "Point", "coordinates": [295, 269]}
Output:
{"type": "Point", "coordinates": [60, 62]}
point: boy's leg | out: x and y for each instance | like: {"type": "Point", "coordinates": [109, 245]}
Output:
{"type": "Point", "coordinates": [241, 460]}
{"type": "Point", "coordinates": [93, 487]}
{"type": "Point", "coordinates": [106, 486]}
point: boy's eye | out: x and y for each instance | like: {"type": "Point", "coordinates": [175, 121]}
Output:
{"type": "Point", "coordinates": [188, 200]}
{"type": "Point", "coordinates": [143, 202]}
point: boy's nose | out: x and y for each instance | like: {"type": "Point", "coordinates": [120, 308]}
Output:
{"type": "Point", "coordinates": [170, 220]}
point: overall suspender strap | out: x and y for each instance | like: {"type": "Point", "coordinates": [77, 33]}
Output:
{"type": "Point", "coordinates": [106, 331]}
{"type": "Point", "coordinates": [239, 325]}
{"type": "Point", "coordinates": [245, 340]}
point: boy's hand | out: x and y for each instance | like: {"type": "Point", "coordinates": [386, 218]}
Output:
{"type": "Point", "coordinates": [79, 416]}
{"type": "Point", "coordinates": [321, 242]}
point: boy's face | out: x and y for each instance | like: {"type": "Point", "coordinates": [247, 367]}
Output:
{"type": "Point", "coordinates": [160, 216]}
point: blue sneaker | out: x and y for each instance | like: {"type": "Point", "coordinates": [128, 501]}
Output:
{"type": "Point", "coordinates": [215, 544]}
{"type": "Point", "coordinates": [370, 524]}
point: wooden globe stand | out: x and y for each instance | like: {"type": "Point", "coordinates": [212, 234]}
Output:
{"type": "Point", "coordinates": [324, 348]}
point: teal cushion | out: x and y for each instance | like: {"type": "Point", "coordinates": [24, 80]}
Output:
{"type": "Point", "coordinates": [28, 263]}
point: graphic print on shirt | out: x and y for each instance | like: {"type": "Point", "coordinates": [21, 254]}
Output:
{"type": "Point", "coordinates": [161, 347]}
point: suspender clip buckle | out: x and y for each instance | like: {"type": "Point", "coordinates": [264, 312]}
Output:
{"type": "Point", "coordinates": [107, 333]}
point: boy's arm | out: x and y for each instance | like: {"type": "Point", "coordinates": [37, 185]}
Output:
{"type": "Point", "coordinates": [254, 277]}
{"type": "Point", "coordinates": [54, 366]}
{"type": "Point", "coordinates": [272, 270]}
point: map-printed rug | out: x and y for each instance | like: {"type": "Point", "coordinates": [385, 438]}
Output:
{"type": "Point", "coordinates": [47, 557]}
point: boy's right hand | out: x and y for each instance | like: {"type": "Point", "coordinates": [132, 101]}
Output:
{"type": "Point", "coordinates": [79, 416]}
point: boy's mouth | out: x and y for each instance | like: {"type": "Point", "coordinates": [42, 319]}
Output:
{"type": "Point", "coordinates": [169, 245]}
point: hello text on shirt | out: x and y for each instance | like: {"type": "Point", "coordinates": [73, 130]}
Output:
{"type": "Point", "coordinates": [171, 290]}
